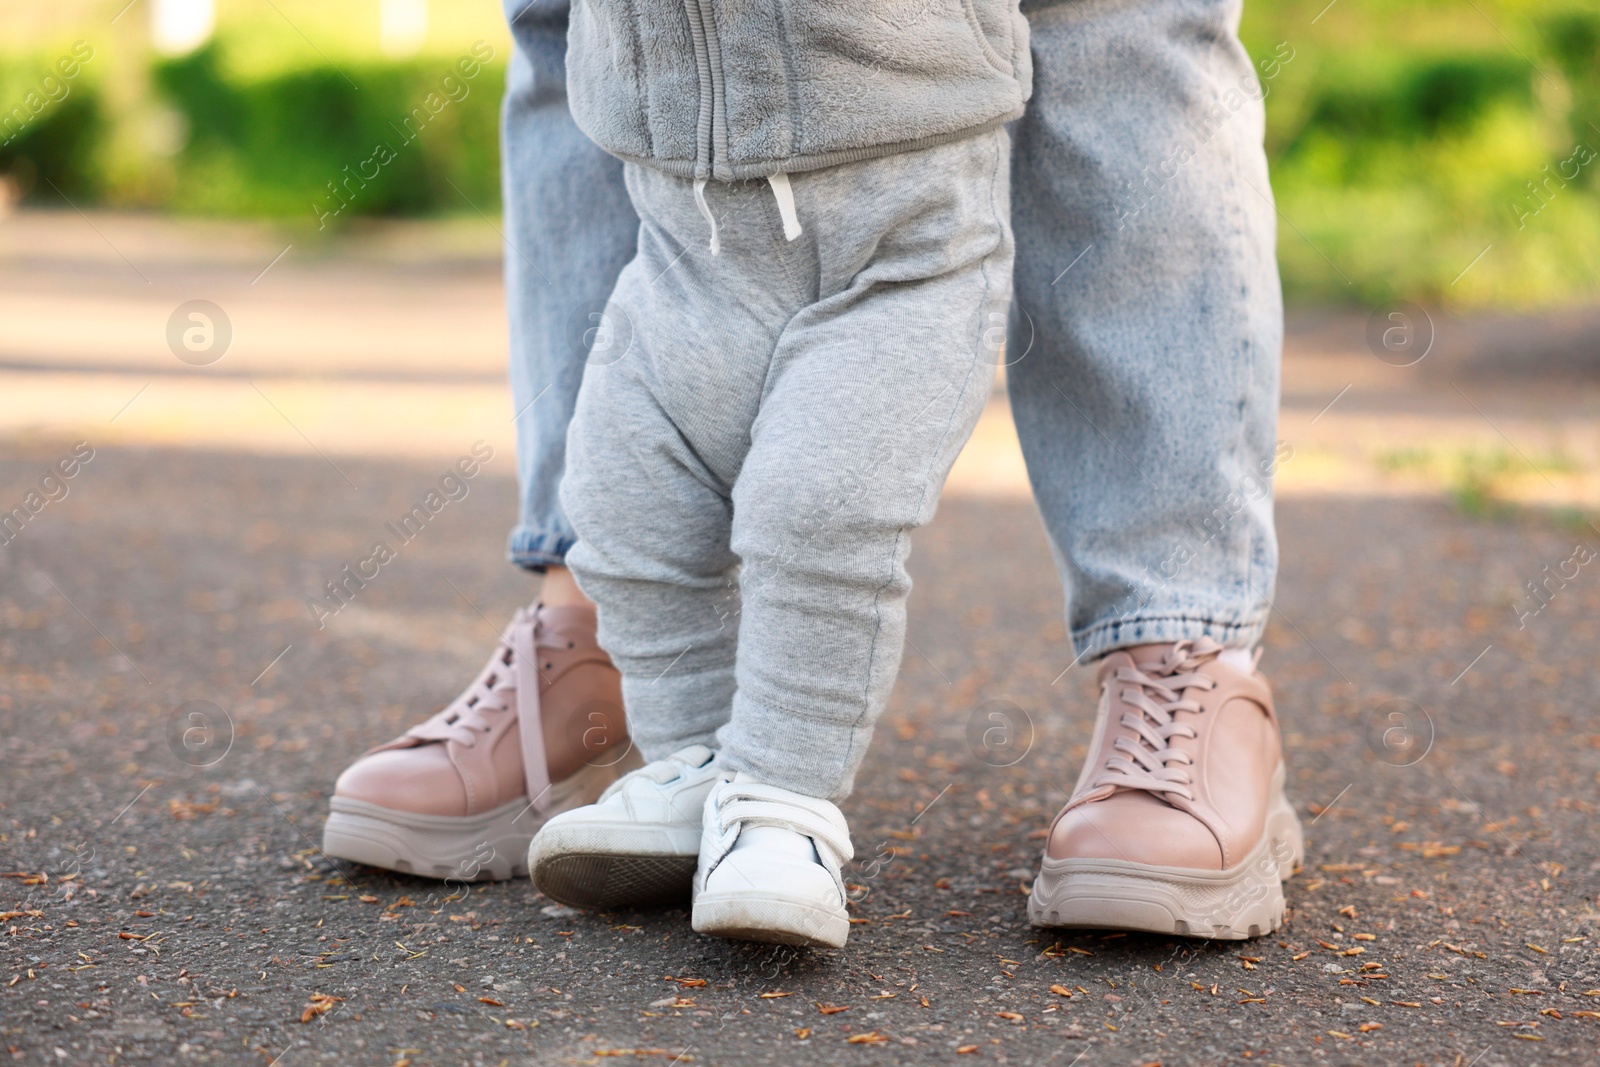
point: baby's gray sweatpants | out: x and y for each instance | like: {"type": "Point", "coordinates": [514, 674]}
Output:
{"type": "Point", "coordinates": [760, 430]}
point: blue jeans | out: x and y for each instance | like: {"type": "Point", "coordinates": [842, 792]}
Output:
{"type": "Point", "coordinates": [1145, 336]}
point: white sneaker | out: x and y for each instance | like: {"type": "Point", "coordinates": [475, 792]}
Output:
{"type": "Point", "coordinates": [636, 845]}
{"type": "Point", "coordinates": [769, 866]}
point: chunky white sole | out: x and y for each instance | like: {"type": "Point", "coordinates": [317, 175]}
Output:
{"type": "Point", "coordinates": [769, 918]}
{"type": "Point", "coordinates": [599, 865]}
{"type": "Point", "coordinates": [469, 848]}
{"type": "Point", "coordinates": [1242, 902]}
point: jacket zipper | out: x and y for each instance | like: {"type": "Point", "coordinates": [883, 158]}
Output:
{"type": "Point", "coordinates": [705, 162]}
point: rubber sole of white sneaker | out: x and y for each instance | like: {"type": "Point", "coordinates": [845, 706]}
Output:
{"type": "Point", "coordinates": [492, 845]}
{"type": "Point", "coordinates": [1237, 904]}
{"type": "Point", "coordinates": [615, 864]}
{"type": "Point", "coordinates": [771, 920]}
{"type": "Point", "coordinates": [599, 882]}
{"type": "Point", "coordinates": [599, 865]}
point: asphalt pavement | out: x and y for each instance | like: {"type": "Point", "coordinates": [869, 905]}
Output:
{"type": "Point", "coordinates": [172, 719]}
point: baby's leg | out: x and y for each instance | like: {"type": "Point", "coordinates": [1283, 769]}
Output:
{"type": "Point", "coordinates": [873, 390]}
{"type": "Point", "coordinates": [653, 555]}
{"type": "Point", "coordinates": [790, 408]}
{"type": "Point", "coordinates": [661, 429]}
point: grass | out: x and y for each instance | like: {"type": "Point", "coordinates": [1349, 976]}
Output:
{"type": "Point", "coordinates": [1480, 482]}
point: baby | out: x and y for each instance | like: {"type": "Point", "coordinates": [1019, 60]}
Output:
{"type": "Point", "coordinates": [796, 354]}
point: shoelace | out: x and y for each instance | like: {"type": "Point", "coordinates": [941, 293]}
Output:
{"type": "Point", "coordinates": [1154, 690]}
{"type": "Point", "coordinates": [508, 682]}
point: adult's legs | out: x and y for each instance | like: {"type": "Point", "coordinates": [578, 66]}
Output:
{"type": "Point", "coordinates": [461, 794]}
{"type": "Point", "coordinates": [570, 229]}
{"type": "Point", "coordinates": [1147, 327]}
{"type": "Point", "coordinates": [1148, 320]}
{"type": "Point", "coordinates": [1147, 333]}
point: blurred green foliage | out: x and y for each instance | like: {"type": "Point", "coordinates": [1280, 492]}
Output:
{"type": "Point", "coordinates": [1481, 482]}
{"type": "Point", "coordinates": [1435, 151]}
{"type": "Point", "coordinates": [306, 143]}
{"type": "Point", "coordinates": [52, 123]}
{"type": "Point", "coordinates": [332, 142]}
{"type": "Point", "coordinates": [1425, 149]}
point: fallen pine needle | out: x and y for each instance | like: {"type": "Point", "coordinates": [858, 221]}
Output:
{"type": "Point", "coordinates": [676, 1056]}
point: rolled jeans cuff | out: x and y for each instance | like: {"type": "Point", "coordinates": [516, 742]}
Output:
{"type": "Point", "coordinates": [535, 550]}
{"type": "Point", "coordinates": [1104, 637]}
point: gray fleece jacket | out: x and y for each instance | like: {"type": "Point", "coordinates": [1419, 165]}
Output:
{"type": "Point", "coordinates": [737, 89]}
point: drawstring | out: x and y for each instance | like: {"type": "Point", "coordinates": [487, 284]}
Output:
{"type": "Point", "coordinates": [782, 192]}
{"type": "Point", "coordinates": [705, 213]}
{"type": "Point", "coordinates": [784, 195]}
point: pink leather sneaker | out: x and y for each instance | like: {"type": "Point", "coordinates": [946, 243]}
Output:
{"type": "Point", "coordinates": [460, 796]}
{"type": "Point", "coordinates": [1179, 823]}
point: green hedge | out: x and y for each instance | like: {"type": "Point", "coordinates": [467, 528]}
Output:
{"type": "Point", "coordinates": [1417, 153]}
{"type": "Point", "coordinates": [1405, 168]}
{"type": "Point", "coordinates": [315, 145]}
{"type": "Point", "coordinates": [53, 124]}
{"type": "Point", "coordinates": [329, 143]}
{"type": "Point", "coordinates": [1405, 139]}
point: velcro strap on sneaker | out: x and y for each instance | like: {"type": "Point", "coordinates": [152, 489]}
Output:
{"type": "Point", "coordinates": [680, 764]}
{"type": "Point", "coordinates": [761, 805]}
